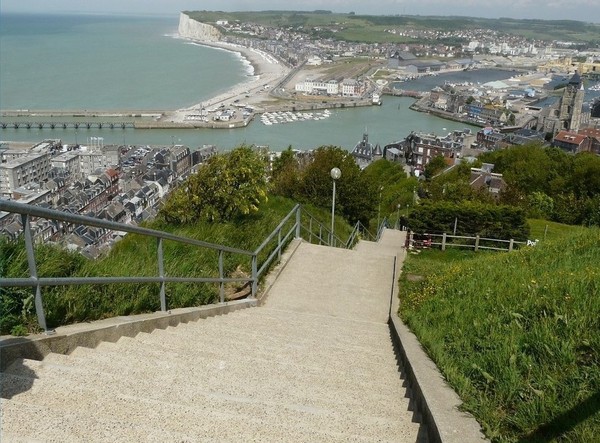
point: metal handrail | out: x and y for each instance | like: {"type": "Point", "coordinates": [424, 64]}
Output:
{"type": "Point", "coordinates": [381, 227]}
{"type": "Point", "coordinates": [359, 229]}
{"type": "Point", "coordinates": [328, 239]}
{"type": "Point", "coordinates": [52, 214]}
{"type": "Point", "coordinates": [29, 211]}
{"type": "Point", "coordinates": [282, 233]}
{"type": "Point", "coordinates": [281, 242]}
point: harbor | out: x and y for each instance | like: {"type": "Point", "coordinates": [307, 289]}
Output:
{"type": "Point", "coordinates": [344, 127]}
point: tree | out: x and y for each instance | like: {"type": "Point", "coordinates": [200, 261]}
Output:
{"type": "Point", "coordinates": [356, 196]}
{"type": "Point", "coordinates": [228, 185]}
{"type": "Point", "coordinates": [586, 174]}
{"type": "Point", "coordinates": [436, 165]}
{"type": "Point", "coordinates": [539, 205]}
{"type": "Point", "coordinates": [285, 176]}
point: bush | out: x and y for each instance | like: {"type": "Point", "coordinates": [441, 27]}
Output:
{"type": "Point", "coordinates": [228, 185]}
{"type": "Point", "coordinates": [471, 218]}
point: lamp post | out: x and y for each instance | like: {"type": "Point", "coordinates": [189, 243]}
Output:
{"type": "Point", "coordinates": [398, 216]}
{"type": "Point", "coordinates": [335, 174]}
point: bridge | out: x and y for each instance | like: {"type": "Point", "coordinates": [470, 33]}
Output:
{"type": "Point", "coordinates": [66, 125]}
{"type": "Point", "coordinates": [319, 355]}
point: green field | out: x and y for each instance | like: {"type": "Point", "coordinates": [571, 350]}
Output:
{"type": "Point", "coordinates": [517, 335]}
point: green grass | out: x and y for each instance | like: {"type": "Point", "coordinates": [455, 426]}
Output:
{"type": "Point", "coordinates": [136, 255]}
{"type": "Point", "coordinates": [547, 230]}
{"type": "Point", "coordinates": [516, 334]}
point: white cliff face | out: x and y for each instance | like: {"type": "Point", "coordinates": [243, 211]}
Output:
{"type": "Point", "coordinates": [192, 29]}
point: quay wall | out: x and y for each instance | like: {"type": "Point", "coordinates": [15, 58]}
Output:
{"type": "Point", "coordinates": [192, 29]}
{"type": "Point", "coordinates": [416, 106]}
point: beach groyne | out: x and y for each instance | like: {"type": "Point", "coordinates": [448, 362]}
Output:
{"type": "Point", "coordinates": [195, 30]}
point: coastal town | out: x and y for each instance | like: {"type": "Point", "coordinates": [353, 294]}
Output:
{"type": "Point", "coordinates": [297, 69]}
{"type": "Point", "coordinates": [300, 75]}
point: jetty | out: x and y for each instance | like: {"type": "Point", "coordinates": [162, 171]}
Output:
{"type": "Point", "coordinates": [66, 125]}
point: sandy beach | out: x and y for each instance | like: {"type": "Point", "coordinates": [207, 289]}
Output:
{"type": "Point", "coordinates": [268, 72]}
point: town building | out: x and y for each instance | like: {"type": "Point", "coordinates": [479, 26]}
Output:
{"type": "Point", "coordinates": [94, 157]}
{"type": "Point", "coordinates": [484, 179]}
{"type": "Point", "coordinates": [567, 112]}
{"type": "Point", "coordinates": [22, 171]}
{"type": "Point", "coordinates": [594, 136]}
{"type": "Point", "coordinates": [572, 142]}
{"type": "Point", "coordinates": [364, 152]}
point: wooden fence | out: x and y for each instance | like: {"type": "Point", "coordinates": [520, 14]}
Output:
{"type": "Point", "coordinates": [424, 241]}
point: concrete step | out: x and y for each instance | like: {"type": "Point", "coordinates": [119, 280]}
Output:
{"type": "Point", "coordinates": [308, 354]}
{"type": "Point", "coordinates": [63, 424]}
{"type": "Point", "coordinates": [376, 342]}
{"type": "Point", "coordinates": [177, 411]}
{"type": "Point", "coordinates": [249, 352]}
{"type": "Point", "coordinates": [342, 284]}
{"type": "Point", "coordinates": [227, 376]}
{"type": "Point", "coordinates": [52, 424]}
{"type": "Point", "coordinates": [299, 320]}
{"type": "Point", "coordinates": [240, 354]}
{"type": "Point", "coordinates": [124, 360]}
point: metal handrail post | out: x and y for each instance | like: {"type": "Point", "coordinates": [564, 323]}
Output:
{"type": "Point", "coordinates": [221, 277]}
{"type": "Point", "coordinates": [298, 222]}
{"type": "Point", "coordinates": [39, 306]}
{"type": "Point", "coordinates": [310, 234]}
{"type": "Point", "coordinates": [279, 245]}
{"type": "Point", "coordinates": [161, 274]}
{"type": "Point", "coordinates": [254, 275]}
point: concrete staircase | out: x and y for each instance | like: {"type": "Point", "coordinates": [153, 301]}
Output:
{"type": "Point", "coordinates": [314, 364]}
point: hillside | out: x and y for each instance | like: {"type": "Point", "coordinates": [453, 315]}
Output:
{"type": "Point", "coordinates": [517, 335]}
{"type": "Point", "coordinates": [372, 28]}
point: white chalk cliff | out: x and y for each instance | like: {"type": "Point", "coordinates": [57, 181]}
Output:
{"type": "Point", "coordinates": [195, 30]}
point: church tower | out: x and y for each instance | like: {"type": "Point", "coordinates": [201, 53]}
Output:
{"type": "Point", "coordinates": [571, 104]}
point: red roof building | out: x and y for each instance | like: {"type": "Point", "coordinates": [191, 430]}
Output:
{"type": "Point", "coordinates": [572, 142]}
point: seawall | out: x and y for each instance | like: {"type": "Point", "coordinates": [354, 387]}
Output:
{"type": "Point", "coordinates": [192, 29]}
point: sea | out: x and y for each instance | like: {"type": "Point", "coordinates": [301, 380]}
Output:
{"type": "Point", "coordinates": [115, 63]}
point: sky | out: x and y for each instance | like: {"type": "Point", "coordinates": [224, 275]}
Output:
{"type": "Point", "coordinates": [584, 10]}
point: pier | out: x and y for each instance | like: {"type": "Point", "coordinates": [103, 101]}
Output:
{"type": "Point", "coordinates": [66, 125]}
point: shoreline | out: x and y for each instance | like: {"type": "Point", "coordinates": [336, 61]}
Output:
{"type": "Point", "coordinates": [267, 72]}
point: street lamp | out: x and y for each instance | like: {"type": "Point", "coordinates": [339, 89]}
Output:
{"type": "Point", "coordinates": [398, 216]}
{"type": "Point", "coordinates": [335, 174]}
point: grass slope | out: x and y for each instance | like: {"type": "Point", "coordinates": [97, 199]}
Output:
{"type": "Point", "coordinates": [517, 335]}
